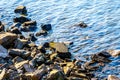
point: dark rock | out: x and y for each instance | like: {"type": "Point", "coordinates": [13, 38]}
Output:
{"type": "Point", "coordinates": [46, 45]}
{"type": "Point", "coordinates": [3, 52]}
{"type": "Point", "coordinates": [32, 37]}
{"type": "Point", "coordinates": [82, 24]}
{"type": "Point", "coordinates": [15, 30]}
{"type": "Point", "coordinates": [21, 19]}
{"type": "Point", "coordinates": [46, 27]}
{"type": "Point", "coordinates": [16, 25]}
{"type": "Point", "coordinates": [56, 75]}
{"type": "Point", "coordinates": [42, 32]}
{"type": "Point", "coordinates": [28, 68]}
{"type": "Point", "coordinates": [7, 39]}
{"type": "Point", "coordinates": [2, 28]}
{"type": "Point", "coordinates": [17, 59]}
{"type": "Point", "coordinates": [101, 57]}
{"type": "Point", "coordinates": [42, 49]}
{"type": "Point", "coordinates": [19, 52]}
{"type": "Point", "coordinates": [20, 43]}
{"type": "Point", "coordinates": [21, 10]}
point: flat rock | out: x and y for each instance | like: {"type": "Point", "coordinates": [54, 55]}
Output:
{"type": "Point", "coordinates": [3, 52]}
{"type": "Point", "coordinates": [7, 38]}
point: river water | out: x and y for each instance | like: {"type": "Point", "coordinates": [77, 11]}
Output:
{"type": "Point", "coordinates": [101, 16]}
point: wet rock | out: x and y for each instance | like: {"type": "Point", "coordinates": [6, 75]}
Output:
{"type": "Point", "coordinates": [53, 56]}
{"type": "Point", "coordinates": [2, 28]}
{"type": "Point", "coordinates": [15, 30]}
{"type": "Point", "coordinates": [3, 52]}
{"type": "Point", "coordinates": [101, 57]}
{"type": "Point", "coordinates": [42, 49]}
{"type": "Point", "coordinates": [36, 75]}
{"type": "Point", "coordinates": [32, 37]}
{"type": "Point", "coordinates": [28, 68]}
{"type": "Point", "coordinates": [20, 43]}
{"type": "Point", "coordinates": [42, 32]}
{"type": "Point", "coordinates": [29, 26]}
{"type": "Point", "coordinates": [82, 24]}
{"type": "Point", "coordinates": [3, 74]}
{"type": "Point", "coordinates": [21, 19]}
{"type": "Point", "coordinates": [6, 39]}
{"type": "Point", "coordinates": [46, 27]}
{"type": "Point", "coordinates": [20, 64]}
{"type": "Point", "coordinates": [19, 52]}
{"type": "Point", "coordinates": [114, 53]}
{"type": "Point", "coordinates": [61, 49]}
{"type": "Point", "coordinates": [56, 75]}
{"type": "Point", "coordinates": [16, 25]}
{"type": "Point", "coordinates": [21, 10]}
{"type": "Point", "coordinates": [79, 75]}
{"type": "Point", "coordinates": [113, 77]}
{"type": "Point", "coordinates": [17, 59]}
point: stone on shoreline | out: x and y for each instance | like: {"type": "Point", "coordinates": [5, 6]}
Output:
{"type": "Point", "coordinates": [21, 10]}
{"type": "Point", "coordinates": [15, 30]}
{"type": "Point", "coordinates": [113, 77]}
{"type": "Point", "coordinates": [7, 38]}
{"type": "Point", "coordinates": [3, 52]}
{"type": "Point", "coordinates": [82, 24]}
{"type": "Point", "coordinates": [2, 28]}
{"type": "Point", "coordinates": [42, 32]}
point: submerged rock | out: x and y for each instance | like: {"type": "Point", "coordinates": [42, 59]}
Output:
{"type": "Point", "coordinates": [46, 27]}
{"type": "Point", "coordinates": [21, 19]}
{"type": "Point", "coordinates": [3, 52]}
{"type": "Point", "coordinates": [82, 24]}
{"type": "Point", "coordinates": [21, 10]}
{"type": "Point", "coordinates": [7, 39]}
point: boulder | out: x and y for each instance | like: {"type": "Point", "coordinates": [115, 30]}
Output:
{"type": "Point", "coordinates": [112, 77]}
{"type": "Point", "coordinates": [3, 52]}
{"type": "Point", "coordinates": [20, 43]}
{"type": "Point", "coordinates": [19, 52]}
{"type": "Point", "coordinates": [46, 27]}
{"type": "Point", "coordinates": [61, 49]}
{"type": "Point", "coordinates": [21, 10]}
{"type": "Point", "coordinates": [114, 53]}
{"type": "Point", "coordinates": [6, 39]}
{"type": "Point", "coordinates": [21, 19]}
{"type": "Point", "coordinates": [56, 75]}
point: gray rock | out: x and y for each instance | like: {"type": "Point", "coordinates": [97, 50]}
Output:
{"type": "Point", "coordinates": [3, 52]}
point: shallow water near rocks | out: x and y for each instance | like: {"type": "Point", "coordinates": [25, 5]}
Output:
{"type": "Point", "coordinates": [101, 16]}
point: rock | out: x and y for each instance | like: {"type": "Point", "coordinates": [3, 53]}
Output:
{"type": "Point", "coordinates": [19, 52]}
{"type": "Point", "coordinates": [113, 77]}
{"type": "Point", "coordinates": [29, 26]}
{"type": "Point", "coordinates": [56, 75]}
{"type": "Point", "coordinates": [3, 74]}
{"type": "Point", "coordinates": [17, 59]}
{"type": "Point", "coordinates": [15, 30]}
{"type": "Point", "coordinates": [29, 23]}
{"type": "Point", "coordinates": [32, 37]}
{"type": "Point", "coordinates": [46, 27]}
{"type": "Point", "coordinates": [3, 52]}
{"type": "Point", "coordinates": [20, 43]}
{"type": "Point", "coordinates": [28, 68]}
{"type": "Point", "coordinates": [114, 53]}
{"type": "Point", "coordinates": [42, 32]}
{"type": "Point", "coordinates": [101, 57]}
{"type": "Point", "coordinates": [53, 56]}
{"type": "Point", "coordinates": [20, 64]}
{"type": "Point", "coordinates": [2, 28]}
{"type": "Point", "coordinates": [82, 24]}
{"type": "Point", "coordinates": [42, 49]}
{"type": "Point", "coordinates": [36, 75]}
{"type": "Point", "coordinates": [16, 25]}
{"type": "Point", "coordinates": [21, 19]}
{"type": "Point", "coordinates": [61, 49]}
{"type": "Point", "coordinates": [6, 39]}
{"type": "Point", "coordinates": [21, 10]}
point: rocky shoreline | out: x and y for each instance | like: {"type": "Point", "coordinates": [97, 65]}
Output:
{"type": "Point", "coordinates": [22, 59]}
